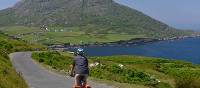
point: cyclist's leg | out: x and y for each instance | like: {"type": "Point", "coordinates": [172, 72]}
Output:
{"type": "Point", "coordinates": [84, 80]}
{"type": "Point", "coordinates": [77, 80]}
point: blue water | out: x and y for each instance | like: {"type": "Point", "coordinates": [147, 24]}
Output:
{"type": "Point", "coordinates": [186, 49]}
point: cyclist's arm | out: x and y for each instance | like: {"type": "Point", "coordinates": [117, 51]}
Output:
{"type": "Point", "coordinates": [72, 68]}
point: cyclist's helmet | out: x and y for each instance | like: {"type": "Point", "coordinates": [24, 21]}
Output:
{"type": "Point", "coordinates": [80, 51]}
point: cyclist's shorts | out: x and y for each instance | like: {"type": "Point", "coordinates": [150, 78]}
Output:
{"type": "Point", "coordinates": [81, 79]}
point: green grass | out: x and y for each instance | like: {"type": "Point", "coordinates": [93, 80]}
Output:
{"type": "Point", "coordinates": [73, 35]}
{"type": "Point", "coordinates": [77, 38]}
{"type": "Point", "coordinates": [137, 70]}
{"type": "Point", "coordinates": [15, 30]}
{"type": "Point", "coordinates": [54, 59]}
{"type": "Point", "coordinates": [9, 78]}
{"type": "Point", "coordinates": [65, 36]}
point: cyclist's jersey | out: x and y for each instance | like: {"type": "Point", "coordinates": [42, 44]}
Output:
{"type": "Point", "coordinates": [81, 65]}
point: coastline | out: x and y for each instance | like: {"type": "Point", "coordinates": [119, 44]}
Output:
{"type": "Point", "coordinates": [135, 41]}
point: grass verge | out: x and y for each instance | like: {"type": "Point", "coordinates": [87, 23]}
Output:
{"type": "Point", "coordinates": [9, 78]}
{"type": "Point", "coordinates": [136, 71]}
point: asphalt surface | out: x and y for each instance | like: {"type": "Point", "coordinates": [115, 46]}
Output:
{"type": "Point", "coordinates": [38, 77]}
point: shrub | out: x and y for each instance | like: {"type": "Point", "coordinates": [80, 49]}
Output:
{"type": "Point", "coordinates": [122, 75]}
{"type": "Point", "coordinates": [163, 85]}
{"type": "Point", "coordinates": [53, 59]}
{"type": "Point", "coordinates": [187, 81]}
{"type": "Point", "coordinates": [41, 60]}
{"type": "Point", "coordinates": [8, 76]}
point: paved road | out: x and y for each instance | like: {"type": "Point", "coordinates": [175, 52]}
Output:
{"type": "Point", "coordinates": [37, 77]}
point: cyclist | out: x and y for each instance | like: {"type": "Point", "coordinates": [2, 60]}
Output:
{"type": "Point", "coordinates": [80, 69]}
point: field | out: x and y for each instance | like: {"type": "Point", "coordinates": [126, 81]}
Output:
{"type": "Point", "coordinates": [15, 30]}
{"type": "Point", "coordinates": [132, 70]}
{"type": "Point", "coordinates": [60, 35]}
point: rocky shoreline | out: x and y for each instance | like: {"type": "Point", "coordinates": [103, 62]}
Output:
{"type": "Point", "coordinates": [136, 41]}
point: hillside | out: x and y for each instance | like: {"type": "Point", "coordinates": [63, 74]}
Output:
{"type": "Point", "coordinates": [90, 16]}
{"type": "Point", "coordinates": [9, 78]}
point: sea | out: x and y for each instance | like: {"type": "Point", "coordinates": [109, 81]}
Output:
{"type": "Point", "coordinates": [187, 49]}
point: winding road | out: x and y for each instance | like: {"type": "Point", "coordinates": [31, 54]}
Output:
{"type": "Point", "coordinates": [38, 77]}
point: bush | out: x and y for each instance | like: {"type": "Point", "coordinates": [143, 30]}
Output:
{"type": "Point", "coordinates": [163, 85]}
{"type": "Point", "coordinates": [41, 60]}
{"type": "Point", "coordinates": [187, 81]}
{"type": "Point", "coordinates": [53, 59]}
{"type": "Point", "coordinates": [8, 76]}
{"type": "Point", "coordinates": [122, 75]}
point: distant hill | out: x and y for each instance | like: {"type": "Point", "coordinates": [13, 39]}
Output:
{"type": "Point", "coordinates": [92, 16]}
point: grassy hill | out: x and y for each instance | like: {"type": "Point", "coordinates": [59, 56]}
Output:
{"type": "Point", "coordinates": [87, 16]}
{"type": "Point", "coordinates": [130, 71]}
{"type": "Point", "coordinates": [9, 78]}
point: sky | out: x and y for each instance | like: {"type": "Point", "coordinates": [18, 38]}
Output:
{"type": "Point", "coordinates": [182, 14]}
{"type": "Point", "coordinates": [7, 3]}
